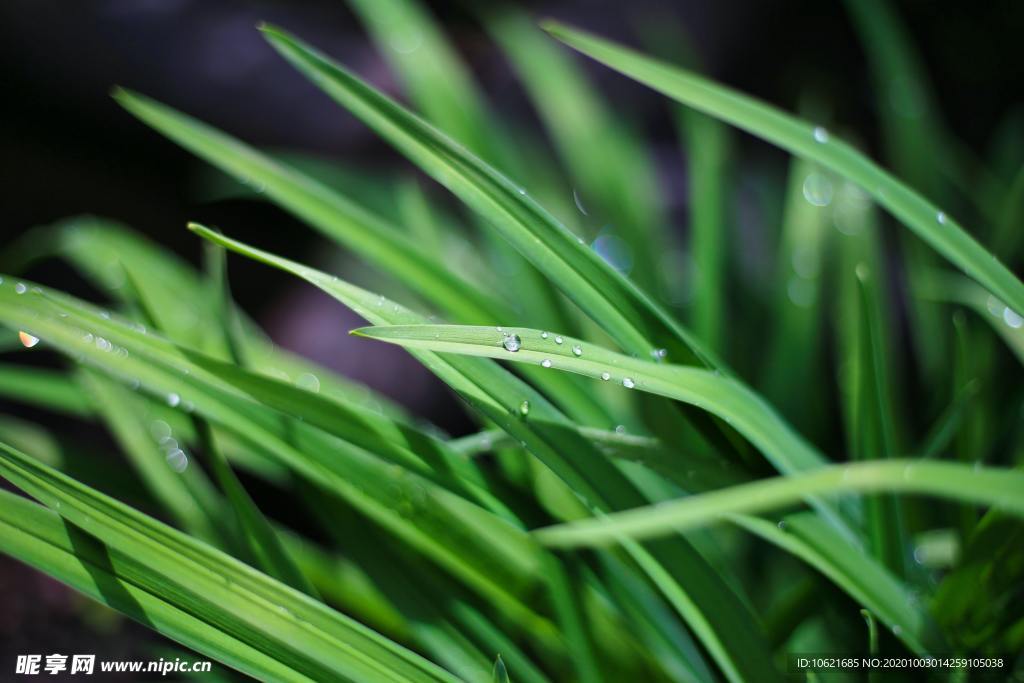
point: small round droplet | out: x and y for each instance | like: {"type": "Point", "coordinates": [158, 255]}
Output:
{"type": "Point", "coordinates": [628, 382]}
{"type": "Point", "coordinates": [620, 429]}
{"type": "Point", "coordinates": [543, 335]}
{"type": "Point", "coordinates": [577, 350]}
{"type": "Point", "coordinates": [606, 376]}
{"type": "Point", "coordinates": [524, 408]}
{"type": "Point", "coordinates": [820, 134]}
{"type": "Point", "coordinates": [1012, 318]}
{"type": "Point", "coordinates": [558, 340]}
{"type": "Point", "coordinates": [512, 343]}
{"type": "Point", "coordinates": [28, 341]}
{"type": "Point", "coordinates": [546, 363]}
{"type": "Point", "coordinates": [177, 460]}
{"type": "Point", "coordinates": [940, 217]}
{"type": "Point", "coordinates": [659, 354]}
{"type": "Point", "coordinates": [173, 400]}
{"type": "Point", "coordinates": [20, 288]}
{"type": "Point", "coordinates": [782, 525]}
{"type": "Point", "coordinates": [896, 630]}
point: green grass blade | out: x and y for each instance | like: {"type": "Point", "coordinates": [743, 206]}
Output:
{"type": "Point", "coordinates": [616, 180]}
{"type": "Point", "coordinates": [47, 389]}
{"type": "Point", "coordinates": [40, 538]}
{"type": "Point", "coordinates": [1001, 488]}
{"type": "Point", "coordinates": [708, 151]}
{"type": "Point", "coordinates": [339, 218]}
{"type": "Point", "coordinates": [614, 303]}
{"type": "Point", "coordinates": [261, 539]}
{"type": "Point", "coordinates": [437, 522]}
{"type": "Point", "coordinates": [187, 496]}
{"type": "Point", "coordinates": [305, 634]}
{"type": "Point", "coordinates": [721, 395]}
{"type": "Point", "coordinates": [930, 223]}
{"type": "Point", "coordinates": [711, 611]}
{"type": "Point", "coordinates": [805, 536]}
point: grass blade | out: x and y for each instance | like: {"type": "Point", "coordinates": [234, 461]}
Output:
{"type": "Point", "coordinates": [1001, 488]}
{"type": "Point", "coordinates": [306, 635]}
{"type": "Point", "coordinates": [723, 396]}
{"type": "Point", "coordinates": [711, 610]}
{"type": "Point", "coordinates": [930, 223]}
{"type": "Point", "coordinates": [614, 303]}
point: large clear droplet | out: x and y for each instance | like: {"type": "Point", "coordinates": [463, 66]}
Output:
{"type": "Point", "coordinates": [817, 189]}
{"type": "Point", "coordinates": [820, 134]}
{"type": "Point", "coordinates": [308, 381]}
{"type": "Point", "coordinates": [173, 400]}
{"type": "Point", "coordinates": [20, 288]}
{"type": "Point", "coordinates": [177, 460]}
{"type": "Point", "coordinates": [1011, 318]}
{"type": "Point", "coordinates": [559, 340]}
{"type": "Point", "coordinates": [546, 363]}
{"type": "Point", "coordinates": [27, 340]}
{"type": "Point", "coordinates": [512, 342]}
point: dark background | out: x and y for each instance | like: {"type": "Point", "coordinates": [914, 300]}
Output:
{"type": "Point", "coordinates": [67, 148]}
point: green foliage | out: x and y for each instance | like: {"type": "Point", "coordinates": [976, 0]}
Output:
{"type": "Point", "coordinates": [631, 508]}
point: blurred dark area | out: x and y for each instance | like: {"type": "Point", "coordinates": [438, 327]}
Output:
{"type": "Point", "coordinates": [67, 148]}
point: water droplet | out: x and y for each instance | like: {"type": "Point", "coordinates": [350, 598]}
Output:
{"type": "Point", "coordinates": [173, 400]}
{"type": "Point", "coordinates": [606, 376]}
{"type": "Point", "coordinates": [103, 345]}
{"type": "Point", "coordinates": [159, 429]}
{"type": "Point", "coordinates": [500, 329]}
{"type": "Point", "coordinates": [994, 305]}
{"type": "Point", "coordinates": [620, 429]}
{"type": "Point", "coordinates": [524, 408]}
{"type": "Point", "coordinates": [616, 251]}
{"type": "Point", "coordinates": [1012, 318]}
{"type": "Point", "coordinates": [512, 343]}
{"type": "Point", "coordinates": [820, 134]}
{"type": "Point", "coordinates": [579, 203]}
{"type": "Point", "coordinates": [659, 354]}
{"type": "Point", "coordinates": [940, 217]}
{"type": "Point", "coordinates": [543, 335]}
{"type": "Point", "coordinates": [522, 191]}
{"type": "Point", "coordinates": [546, 363]}
{"type": "Point", "coordinates": [896, 629]}
{"type": "Point", "coordinates": [782, 525]}
{"type": "Point", "coordinates": [817, 189]}
{"type": "Point", "coordinates": [577, 350]}
{"type": "Point", "coordinates": [628, 382]}
{"type": "Point", "coordinates": [801, 292]}
{"type": "Point", "coordinates": [177, 460]}
{"type": "Point", "coordinates": [105, 315]}
{"type": "Point", "coordinates": [28, 341]}
{"type": "Point", "coordinates": [308, 381]}
{"type": "Point", "coordinates": [20, 288]}
{"type": "Point", "coordinates": [558, 340]}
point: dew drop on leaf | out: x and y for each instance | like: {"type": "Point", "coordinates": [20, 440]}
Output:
{"type": "Point", "coordinates": [524, 408]}
{"type": "Point", "coordinates": [177, 460]}
{"type": "Point", "coordinates": [546, 363]}
{"type": "Point", "coordinates": [606, 376]}
{"type": "Point", "coordinates": [512, 343]}
{"type": "Point", "coordinates": [820, 134]}
{"type": "Point", "coordinates": [28, 341]}
{"type": "Point", "coordinates": [577, 350]}
{"type": "Point", "coordinates": [628, 382]}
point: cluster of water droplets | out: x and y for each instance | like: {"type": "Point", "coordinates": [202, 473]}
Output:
{"type": "Point", "coordinates": [176, 458]}
{"type": "Point", "coordinates": [1009, 316]}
